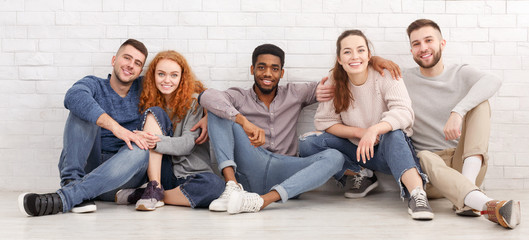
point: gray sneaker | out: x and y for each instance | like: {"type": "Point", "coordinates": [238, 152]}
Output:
{"type": "Point", "coordinates": [361, 186]}
{"type": "Point", "coordinates": [418, 206]}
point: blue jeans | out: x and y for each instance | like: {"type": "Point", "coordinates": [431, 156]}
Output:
{"type": "Point", "coordinates": [260, 170]}
{"type": "Point", "coordinates": [200, 188]}
{"type": "Point", "coordinates": [393, 155]}
{"type": "Point", "coordinates": [93, 173]}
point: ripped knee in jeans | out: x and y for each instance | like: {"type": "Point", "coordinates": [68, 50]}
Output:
{"type": "Point", "coordinates": [308, 134]}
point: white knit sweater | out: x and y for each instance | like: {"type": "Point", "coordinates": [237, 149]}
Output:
{"type": "Point", "coordinates": [379, 99]}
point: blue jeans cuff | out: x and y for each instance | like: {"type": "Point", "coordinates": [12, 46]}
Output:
{"type": "Point", "coordinates": [65, 207]}
{"type": "Point", "coordinates": [282, 192]}
{"type": "Point", "coordinates": [227, 163]}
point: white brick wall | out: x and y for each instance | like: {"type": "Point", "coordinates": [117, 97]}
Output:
{"type": "Point", "coordinates": [45, 46]}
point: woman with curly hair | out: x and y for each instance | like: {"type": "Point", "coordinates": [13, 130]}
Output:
{"type": "Point", "coordinates": [170, 110]}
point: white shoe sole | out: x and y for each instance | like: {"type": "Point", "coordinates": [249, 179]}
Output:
{"type": "Point", "coordinates": [362, 194]}
{"type": "Point", "coordinates": [515, 218]}
{"type": "Point", "coordinates": [142, 207]}
{"type": "Point", "coordinates": [21, 203]}
{"type": "Point", "coordinates": [85, 209]}
{"type": "Point", "coordinates": [421, 215]}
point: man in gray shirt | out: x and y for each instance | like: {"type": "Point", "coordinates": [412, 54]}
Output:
{"type": "Point", "coordinates": [452, 126]}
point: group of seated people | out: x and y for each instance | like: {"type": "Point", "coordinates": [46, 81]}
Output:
{"type": "Point", "coordinates": [145, 140]}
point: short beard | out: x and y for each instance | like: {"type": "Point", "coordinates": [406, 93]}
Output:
{"type": "Point", "coordinates": [118, 78]}
{"type": "Point", "coordinates": [265, 91]}
{"type": "Point", "coordinates": [436, 58]}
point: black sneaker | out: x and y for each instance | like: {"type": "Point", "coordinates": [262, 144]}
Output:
{"type": "Point", "coordinates": [418, 206]}
{"type": "Point", "coordinates": [361, 186]}
{"type": "Point", "coordinates": [32, 204]}
{"type": "Point", "coordinates": [86, 206]}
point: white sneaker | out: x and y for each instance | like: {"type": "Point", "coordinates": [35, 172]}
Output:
{"type": "Point", "coordinates": [244, 202]}
{"type": "Point", "coordinates": [221, 204]}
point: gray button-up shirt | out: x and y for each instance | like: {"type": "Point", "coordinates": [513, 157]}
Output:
{"type": "Point", "coordinates": [279, 122]}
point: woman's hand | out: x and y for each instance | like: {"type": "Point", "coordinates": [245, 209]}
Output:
{"type": "Point", "coordinates": [149, 138]}
{"type": "Point", "coordinates": [365, 149]}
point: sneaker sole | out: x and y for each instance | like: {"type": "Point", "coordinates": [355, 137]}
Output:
{"type": "Point", "coordinates": [510, 212]}
{"type": "Point", "coordinates": [142, 207]}
{"type": "Point", "coordinates": [421, 215]}
{"type": "Point", "coordinates": [85, 209]}
{"type": "Point", "coordinates": [21, 201]}
{"type": "Point", "coordinates": [468, 213]}
{"type": "Point", "coordinates": [362, 194]}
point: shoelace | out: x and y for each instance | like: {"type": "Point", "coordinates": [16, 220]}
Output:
{"type": "Point", "coordinates": [420, 200]}
{"type": "Point", "coordinates": [357, 181]}
{"type": "Point", "coordinates": [152, 192]}
{"type": "Point", "coordinates": [229, 189]}
{"type": "Point", "coordinates": [251, 202]}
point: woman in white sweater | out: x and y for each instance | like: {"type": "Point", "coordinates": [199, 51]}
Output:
{"type": "Point", "coordinates": [369, 121]}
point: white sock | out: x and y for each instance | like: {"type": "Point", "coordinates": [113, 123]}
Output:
{"type": "Point", "coordinates": [477, 200]}
{"type": "Point", "coordinates": [471, 168]}
{"type": "Point", "coordinates": [366, 172]}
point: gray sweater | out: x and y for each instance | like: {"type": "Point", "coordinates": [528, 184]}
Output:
{"type": "Point", "coordinates": [458, 89]}
{"type": "Point", "coordinates": [188, 158]}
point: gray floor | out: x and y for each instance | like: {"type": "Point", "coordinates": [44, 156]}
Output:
{"type": "Point", "coordinates": [316, 215]}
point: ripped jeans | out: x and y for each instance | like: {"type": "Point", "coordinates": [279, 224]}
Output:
{"type": "Point", "coordinates": [394, 154]}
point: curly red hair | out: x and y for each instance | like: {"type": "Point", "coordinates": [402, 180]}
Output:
{"type": "Point", "coordinates": [181, 99]}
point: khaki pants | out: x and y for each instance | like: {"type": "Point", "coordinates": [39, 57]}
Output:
{"type": "Point", "coordinates": [444, 167]}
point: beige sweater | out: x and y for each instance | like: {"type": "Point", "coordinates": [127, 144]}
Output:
{"type": "Point", "coordinates": [379, 99]}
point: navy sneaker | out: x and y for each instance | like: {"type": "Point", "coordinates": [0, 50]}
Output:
{"type": "Point", "coordinates": [152, 197]}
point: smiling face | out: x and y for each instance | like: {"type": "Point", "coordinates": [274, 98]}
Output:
{"type": "Point", "coordinates": [167, 77]}
{"type": "Point", "coordinates": [127, 65]}
{"type": "Point", "coordinates": [427, 46]}
{"type": "Point", "coordinates": [354, 55]}
{"type": "Point", "coordinates": [266, 73]}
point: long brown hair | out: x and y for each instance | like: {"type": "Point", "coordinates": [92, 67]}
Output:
{"type": "Point", "coordinates": [181, 99]}
{"type": "Point", "coordinates": [342, 94]}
